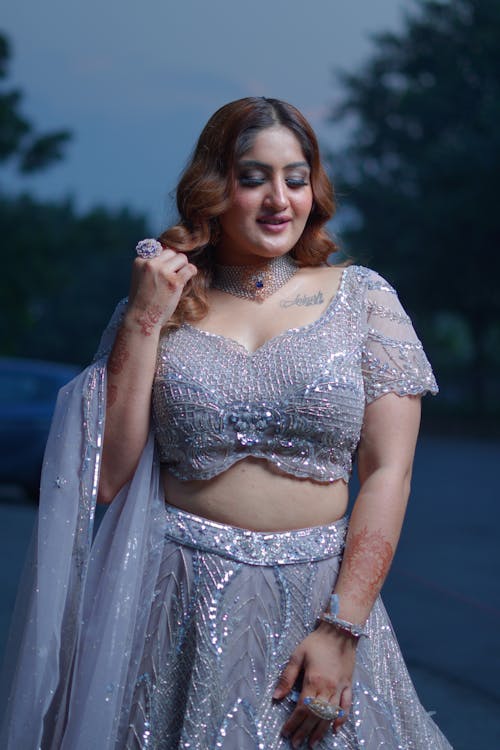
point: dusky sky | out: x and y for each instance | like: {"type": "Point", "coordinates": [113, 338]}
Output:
{"type": "Point", "coordinates": [136, 81]}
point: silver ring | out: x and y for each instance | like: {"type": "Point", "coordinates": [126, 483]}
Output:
{"type": "Point", "coordinates": [148, 248]}
{"type": "Point", "coordinates": [323, 708]}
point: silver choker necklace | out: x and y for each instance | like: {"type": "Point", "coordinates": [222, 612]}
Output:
{"type": "Point", "coordinates": [255, 282]}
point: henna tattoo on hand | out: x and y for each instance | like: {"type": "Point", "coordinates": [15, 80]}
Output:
{"type": "Point", "coordinates": [366, 562]}
{"type": "Point", "coordinates": [148, 319]}
{"type": "Point", "coordinates": [119, 353]}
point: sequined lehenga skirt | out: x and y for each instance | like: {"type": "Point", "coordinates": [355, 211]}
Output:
{"type": "Point", "coordinates": [229, 608]}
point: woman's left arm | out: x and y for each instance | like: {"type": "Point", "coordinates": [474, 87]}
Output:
{"type": "Point", "coordinates": [326, 657]}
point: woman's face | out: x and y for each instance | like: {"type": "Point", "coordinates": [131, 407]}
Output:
{"type": "Point", "coordinates": [272, 199]}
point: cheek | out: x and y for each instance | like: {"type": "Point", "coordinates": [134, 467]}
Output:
{"type": "Point", "coordinates": [304, 205]}
{"type": "Point", "coordinates": [242, 209]}
{"type": "Point", "coordinates": [245, 204]}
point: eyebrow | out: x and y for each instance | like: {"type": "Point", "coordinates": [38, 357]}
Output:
{"type": "Point", "coordinates": [262, 165]}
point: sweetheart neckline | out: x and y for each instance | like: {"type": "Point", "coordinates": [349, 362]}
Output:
{"type": "Point", "coordinates": [228, 340]}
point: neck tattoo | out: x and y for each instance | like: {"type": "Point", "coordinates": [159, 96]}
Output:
{"type": "Point", "coordinates": [255, 282]}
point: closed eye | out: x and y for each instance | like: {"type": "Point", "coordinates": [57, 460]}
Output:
{"type": "Point", "coordinates": [257, 181]}
{"type": "Point", "coordinates": [251, 181]}
{"type": "Point", "coordinates": [291, 182]}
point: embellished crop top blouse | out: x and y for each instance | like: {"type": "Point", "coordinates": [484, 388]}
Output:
{"type": "Point", "coordinates": [299, 400]}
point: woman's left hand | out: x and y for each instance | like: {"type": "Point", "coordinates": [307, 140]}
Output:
{"type": "Point", "coordinates": [326, 661]}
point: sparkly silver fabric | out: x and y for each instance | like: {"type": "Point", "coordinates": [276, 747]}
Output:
{"type": "Point", "coordinates": [169, 631]}
{"type": "Point", "coordinates": [221, 630]}
{"type": "Point", "coordinates": [299, 400]}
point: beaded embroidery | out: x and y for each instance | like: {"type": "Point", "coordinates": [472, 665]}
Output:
{"type": "Point", "coordinates": [255, 283]}
{"type": "Point", "coordinates": [297, 401]}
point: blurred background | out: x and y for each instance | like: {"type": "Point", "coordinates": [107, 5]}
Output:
{"type": "Point", "coordinates": [100, 106]}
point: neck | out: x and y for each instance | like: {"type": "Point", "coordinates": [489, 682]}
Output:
{"type": "Point", "coordinates": [257, 281]}
{"type": "Point", "coordinates": [227, 258]}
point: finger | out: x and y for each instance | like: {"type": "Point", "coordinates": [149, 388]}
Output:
{"type": "Point", "coordinates": [166, 258]}
{"type": "Point", "coordinates": [345, 703]}
{"type": "Point", "coordinates": [287, 678]}
{"type": "Point", "coordinates": [187, 272]}
{"type": "Point", "coordinates": [167, 252]}
{"type": "Point", "coordinates": [299, 724]}
{"type": "Point", "coordinates": [322, 726]}
{"type": "Point", "coordinates": [172, 261]}
{"type": "Point", "coordinates": [309, 729]}
{"type": "Point", "coordinates": [319, 732]}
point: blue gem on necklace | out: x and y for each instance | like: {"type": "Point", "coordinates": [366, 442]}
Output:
{"type": "Point", "coordinates": [255, 283]}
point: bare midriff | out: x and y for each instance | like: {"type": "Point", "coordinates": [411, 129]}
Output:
{"type": "Point", "coordinates": [253, 494]}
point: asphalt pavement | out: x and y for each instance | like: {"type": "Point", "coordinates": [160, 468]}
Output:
{"type": "Point", "coordinates": [443, 592]}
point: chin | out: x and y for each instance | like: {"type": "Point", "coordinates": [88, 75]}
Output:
{"type": "Point", "coordinates": [270, 254]}
{"type": "Point", "coordinates": [275, 249]}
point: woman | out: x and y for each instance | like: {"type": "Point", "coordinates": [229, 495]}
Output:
{"type": "Point", "coordinates": [224, 603]}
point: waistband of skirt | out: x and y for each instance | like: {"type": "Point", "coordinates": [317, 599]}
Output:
{"type": "Point", "coordinates": [255, 547]}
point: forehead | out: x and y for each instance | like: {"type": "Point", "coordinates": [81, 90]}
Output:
{"type": "Point", "coordinates": [276, 145]}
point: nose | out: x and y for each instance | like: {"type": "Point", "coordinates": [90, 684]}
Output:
{"type": "Point", "coordinates": [277, 197]}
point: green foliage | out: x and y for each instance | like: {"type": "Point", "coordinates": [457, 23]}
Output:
{"type": "Point", "coordinates": [18, 139]}
{"type": "Point", "coordinates": [62, 275]}
{"type": "Point", "coordinates": [421, 167]}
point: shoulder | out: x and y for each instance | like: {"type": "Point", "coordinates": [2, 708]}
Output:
{"type": "Point", "coordinates": [370, 278]}
{"type": "Point", "coordinates": [351, 279]}
{"type": "Point", "coordinates": [323, 273]}
{"type": "Point", "coordinates": [372, 286]}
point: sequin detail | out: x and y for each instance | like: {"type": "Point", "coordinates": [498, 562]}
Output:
{"type": "Point", "coordinates": [298, 401]}
{"type": "Point", "coordinates": [221, 631]}
{"type": "Point", "coordinates": [254, 547]}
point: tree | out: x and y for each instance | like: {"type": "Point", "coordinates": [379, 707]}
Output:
{"type": "Point", "coordinates": [422, 162]}
{"type": "Point", "coordinates": [62, 273]}
{"type": "Point", "coordinates": [18, 139]}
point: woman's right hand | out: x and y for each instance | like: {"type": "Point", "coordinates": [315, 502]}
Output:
{"type": "Point", "coordinates": [156, 288]}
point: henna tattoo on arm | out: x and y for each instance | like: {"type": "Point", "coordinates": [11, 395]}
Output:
{"type": "Point", "coordinates": [119, 353]}
{"type": "Point", "coordinates": [148, 319]}
{"type": "Point", "coordinates": [366, 562]}
{"type": "Point", "coordinates": [111, 395]}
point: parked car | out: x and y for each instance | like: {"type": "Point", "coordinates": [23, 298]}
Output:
{"type": "Point", "coordinates": [28, 392]}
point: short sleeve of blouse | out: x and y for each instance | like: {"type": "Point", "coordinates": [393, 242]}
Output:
{"type": "Point", "coordinates": [393, 359]}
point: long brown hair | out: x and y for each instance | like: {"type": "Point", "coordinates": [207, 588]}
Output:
{"type": "Point", "coordinates": [205, 188]}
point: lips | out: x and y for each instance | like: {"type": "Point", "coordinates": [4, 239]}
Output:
{"type": "Point", "coordinates": [274, 220]}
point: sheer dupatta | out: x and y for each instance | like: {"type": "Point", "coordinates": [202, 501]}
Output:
{"type": "Point", "coordinates": [79, 621]}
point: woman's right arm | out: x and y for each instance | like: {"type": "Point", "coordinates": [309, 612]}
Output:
{"type": "Point", "coordinates": [156, 287]}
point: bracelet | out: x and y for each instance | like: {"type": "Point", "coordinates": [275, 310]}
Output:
{"type": "Point", "coordinates": [332, 618]}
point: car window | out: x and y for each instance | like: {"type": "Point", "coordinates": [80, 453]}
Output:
{"type": "Point", "coordinates": [16, 387]}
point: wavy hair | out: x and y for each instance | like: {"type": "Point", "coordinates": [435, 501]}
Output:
{"type": "Point", "coordinates": [205, 189]}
